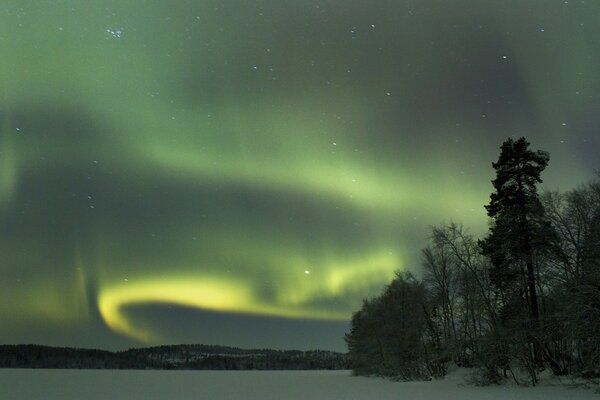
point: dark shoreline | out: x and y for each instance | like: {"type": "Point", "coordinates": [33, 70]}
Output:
{"type": "Point", "coordinates": [173, 357]}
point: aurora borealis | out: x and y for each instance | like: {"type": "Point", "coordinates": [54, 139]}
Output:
{"type": "Point", "coordinates": [244, 173]}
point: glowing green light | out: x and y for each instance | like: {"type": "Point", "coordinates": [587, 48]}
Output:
{"type": "Point", "coordinates": [292, 299]}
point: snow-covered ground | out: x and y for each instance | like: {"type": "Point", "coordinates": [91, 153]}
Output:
{"type": "Point", "coordinates": [30, 384]}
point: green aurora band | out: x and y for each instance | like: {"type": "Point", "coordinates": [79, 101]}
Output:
{"type": "Point", "coordinates": [272, 159]}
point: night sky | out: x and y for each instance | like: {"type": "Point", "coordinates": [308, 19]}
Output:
{"type": "Point", "coordinates": [244, 173]}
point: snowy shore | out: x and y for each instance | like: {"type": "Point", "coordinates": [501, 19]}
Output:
{"type": "Point", "coordinates": [28, 384]}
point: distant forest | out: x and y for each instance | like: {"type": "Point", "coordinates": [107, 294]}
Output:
{"type": "Point", "coordinates": [179, 357]}
{"type": "Point", "coordinates": [523, 299]}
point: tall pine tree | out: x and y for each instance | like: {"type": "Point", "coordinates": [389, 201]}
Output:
{"type": "Point", "coordinates": [519, 228]}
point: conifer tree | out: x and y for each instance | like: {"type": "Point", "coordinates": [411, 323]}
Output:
{"type": "Point", "coordinates": [518, 227]}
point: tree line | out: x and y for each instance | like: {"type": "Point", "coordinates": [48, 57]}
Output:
{"type": "Point", "coordinates": [522, 299]}
{"type": "Point", "coordinates": [176, 357]}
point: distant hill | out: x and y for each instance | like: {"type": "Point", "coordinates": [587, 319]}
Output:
{"type": "Point", "coordinates": [182, 357]}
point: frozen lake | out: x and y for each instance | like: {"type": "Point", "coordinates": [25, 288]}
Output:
{"type": "Point", "coordinates": [16, 384]}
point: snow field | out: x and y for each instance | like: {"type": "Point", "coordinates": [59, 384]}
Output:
{"type": "Point", "coordinates": [29, 384]}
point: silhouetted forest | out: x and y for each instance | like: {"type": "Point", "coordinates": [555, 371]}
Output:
{"type": "Point", "coordinates": [182, 357]}
{"type": "Point", "coordinates": [523, 299]}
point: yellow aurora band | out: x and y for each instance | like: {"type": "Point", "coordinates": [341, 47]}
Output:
{"type": "Point", "coordinates": [228, 295]}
